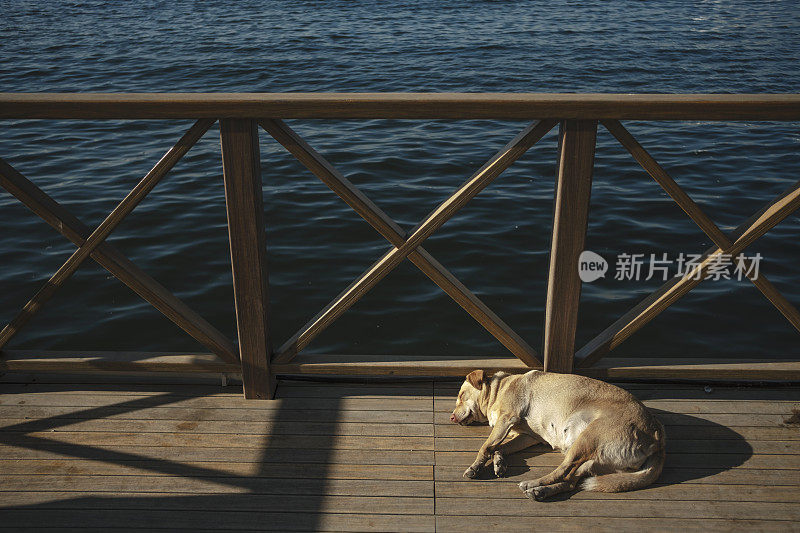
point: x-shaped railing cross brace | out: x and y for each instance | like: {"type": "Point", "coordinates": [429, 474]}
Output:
{"type": "Point", "coordinates": [407, 245]}
{"type": "Point", "coordinates": [93, 244]}
{"type": "Point", "coordinates": [745, 235]}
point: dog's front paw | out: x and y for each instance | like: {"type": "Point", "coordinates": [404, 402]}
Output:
{"type": "Point", "coordinates": [526, 485]}
{"type": "Point", "coordinates": [470, 473]}
{"type": "Point", "coordinates": [536, 493]}
{"type": "Point", "coordinates": [500, 466]}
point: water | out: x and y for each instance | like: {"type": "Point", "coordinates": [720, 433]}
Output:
{"type": "Point", "coordinates": [498, 245]}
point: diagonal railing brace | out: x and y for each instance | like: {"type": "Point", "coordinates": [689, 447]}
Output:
{"type": "Point", "coordinates": [483, 177]}
{"type": "Point", "coordinates": [643, 312]}
{"type": "Point", "coordinates": [116, 263]}
{"type": "Point", "coordinates": [651, 166]}
{"type": "Point", "coordinates": [392, 232]}
{"type": "Point", "coordinates": [128, 204]}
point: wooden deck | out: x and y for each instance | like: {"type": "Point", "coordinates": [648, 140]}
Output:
{"type": "Point", "coordinates": [136, 455]}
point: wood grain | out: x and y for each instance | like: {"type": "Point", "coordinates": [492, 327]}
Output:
{"type": "Point", "coordinates": [387, 365]}
{"type": "Point", "coordinates": [88, 361]}
{"type": "Point", "coordinates": [523, 106]}
{"type": "Point", "coordinates": [241, 164]}
{"type": "Point", "coordinates": [576, 144]}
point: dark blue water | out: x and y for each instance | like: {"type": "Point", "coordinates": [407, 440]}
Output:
{"type": "Point", "coordinates": [498, 245]}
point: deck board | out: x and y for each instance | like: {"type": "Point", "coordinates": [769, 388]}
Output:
{"type": "Point", "coordinates": [133, 456]}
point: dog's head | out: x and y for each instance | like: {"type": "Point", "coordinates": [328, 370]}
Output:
{"type": "Point", "coordinates": [468, 408]}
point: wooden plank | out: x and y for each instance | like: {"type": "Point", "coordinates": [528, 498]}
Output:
{"type": "Point", "coordinates": [576, 143]}
{"type": "Point", "coordinates": [754, 388]}
{"type": "Point", "coordinates": [669, 493]}
{"type": "Point", "coordinates": [621, 368]}
{"type": "Point", "coordinates": [218, 485]}
{"type": "Point", "coordinates": [406, 391]}
{"type": "Point", "coordinates": [211, 469]}
{"type": "Point", "coordinates": [241, 164]}
{"type": "Point", "coordinates": [188, 390]}
{"type": "Point", "coordinates": [392, 365]}
{"type": "Point", "coordinates": [395, 365]}
{"type": "Point", "coordinates": [103, 529]}
{"type": "Point", "coordinates": [166, 401]}
{"type": "Point", "coordinates": [184, 500]}
{"type": "Point", "coordinates": [738, 395]}
{"type": "Point", "coordinates": [466, 192]}
{"type": "Point", "coordinates": [651, 166]}
{"type": "Point", "coordinates": [201, 440]}
{"type": "Point", "coordinates": [682, 475]}
{"type": "Point", "coordinates": [374, 383]}
{"type": "Point", "coordinates": [643, 312]}
{"type": "Point", "coordinates": [644, 523]}
{"type": "Point", "coordinates": [689, 390]}
{"type": "Point", "coordinates": [200, 518]}
{"type": "Point", "coordinates": [121, 379]}
{"type": "Point", "coordinates": [116, 263]}
{"type": "Point", "coordinates": [387, 227]}
{"type": "Point", "coordinates": [675, 432]}
{"type": "Point", "coordinates": [696, 420]}
{"type": "Point", "coordinates": [64, 361]}
{"type": "Point", "coordinates": [116, 384]}
{"type": "Point", "coordinates": [521, 106]}
{"type": "Point", "coordinates": [613, 368]}
{"type": "Point", "coordinates": [173, 459]}
{"type": "Point", "coordinates": [723, 406]}
{"type": "Point", "coordinates": [730, 446]}
{"type": "Point", "coordinates": [400, 391]}
{"type": "Point", "coordinates": [220, 427]}
{"type": "Point", "coordinates": [117, 215]}
{"type": "Point", "coordinates": [771, 407]}
{"type": "Point", "coordinates": [365, 414]}
{"type": "Point", "coordinates": [788, 463]}
{"type": "Point", "coordinates": [629, 509]}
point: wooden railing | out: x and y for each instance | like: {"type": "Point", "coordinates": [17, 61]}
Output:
{"type": "Point", "coordinates": [240, 116]}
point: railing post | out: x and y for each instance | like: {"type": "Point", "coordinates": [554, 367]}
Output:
{"type": "Point", "coordinates": [242, 171]}
{"type": "Point", "coordinates": [576, 142]}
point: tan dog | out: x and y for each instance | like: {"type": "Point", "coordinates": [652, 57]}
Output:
{"type": "Point", "coordinates": [605, 433]}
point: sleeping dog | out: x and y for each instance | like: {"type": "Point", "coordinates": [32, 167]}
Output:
{"type": "Point", "coordinates": [610, 441]}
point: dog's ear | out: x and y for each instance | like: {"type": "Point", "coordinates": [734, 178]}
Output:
{"type": "Point", "coordinates": [475, 378]}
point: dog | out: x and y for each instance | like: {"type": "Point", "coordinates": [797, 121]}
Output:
{"type": "Point", "coordinates": [611, 442]}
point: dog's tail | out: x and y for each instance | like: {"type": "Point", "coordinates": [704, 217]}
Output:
{"type": "Point", "coordinates": [625, 481]}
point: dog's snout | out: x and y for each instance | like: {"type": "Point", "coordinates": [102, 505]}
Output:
{"type": "Point", "coordinates": [452, 418]}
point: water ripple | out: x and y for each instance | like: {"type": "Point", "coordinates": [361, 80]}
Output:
{"type": "Point", "coordinates": [498, 245]}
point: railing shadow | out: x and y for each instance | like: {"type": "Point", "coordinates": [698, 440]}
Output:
{"type": "Point", "coordinates": [219, 487]}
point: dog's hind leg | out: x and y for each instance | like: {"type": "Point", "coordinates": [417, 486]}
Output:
{"type": "Point", "coordinates": [581, 451]}
{"type": "Point", "coordinates": [518, 442]}
{"type": "Point", "coordinates": [570, 482]}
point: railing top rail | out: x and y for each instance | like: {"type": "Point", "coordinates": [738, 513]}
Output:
{"type": "Point", "coordinates": [770, 107]}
